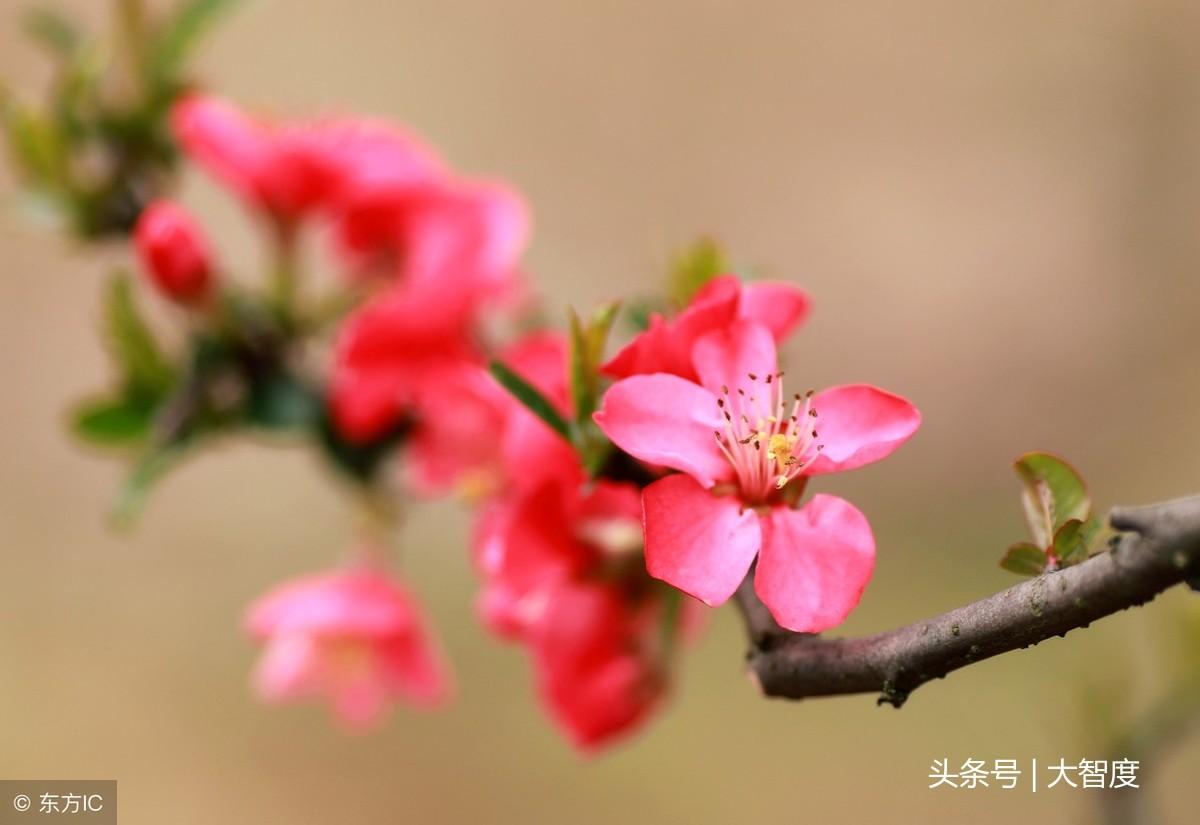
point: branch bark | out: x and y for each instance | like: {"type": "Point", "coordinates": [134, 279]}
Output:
{"type": "Point", "coordinates": [1158, 547]}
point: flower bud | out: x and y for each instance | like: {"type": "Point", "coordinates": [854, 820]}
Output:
{"type": "Point", "coordinates": [174, 252]}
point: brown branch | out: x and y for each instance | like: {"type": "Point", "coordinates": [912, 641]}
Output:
{"type": "Point", "coordinates": [1159, 547]}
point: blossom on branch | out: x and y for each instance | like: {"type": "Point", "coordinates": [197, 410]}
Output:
{"type": "Point", "coordinates": [744, 449]}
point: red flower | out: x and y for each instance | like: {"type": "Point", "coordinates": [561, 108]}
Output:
{"type": "Point", "coordinates": [563, 574]}
{"type": "Point", "coordinates": [174, 252]}
{"type": "Point", "coordinates": [738, 440]}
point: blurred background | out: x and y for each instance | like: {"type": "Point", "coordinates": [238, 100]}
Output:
{"type": "Point", "coordinates": [995, 206]}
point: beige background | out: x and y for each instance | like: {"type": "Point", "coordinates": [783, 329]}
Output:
{"type": "Point", "coordinates": [996, 207]}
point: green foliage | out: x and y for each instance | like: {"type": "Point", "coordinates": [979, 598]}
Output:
{"type": "Point", "coordinates": [694, 267]}
{"type": "Point", "coordinates": [1053, 494]}
{"type": "Point", "coordinates": [282, 401]}
{"type": "Point", "coordinates": [52, 30]}
{"type": "Point", "coordinates": [586, 352]}
{"type": "Point", "coordinates": [114, 422]}
{"type": "Point", "coordinates": [146, 371]}
{"type": "Point", "coordinates": [1024, 559]}
{"type": "Point", "coordinates": [94, 156]}
{"type": "Point", "coordinates": [531, 397]}
{"type": "Point", "coordinates": [1058, 512]}
{"type": "Point", "coordinates": [179, 35]}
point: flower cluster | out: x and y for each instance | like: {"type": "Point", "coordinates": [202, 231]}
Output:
{"type": "Point", "coordinates": [607, 494]}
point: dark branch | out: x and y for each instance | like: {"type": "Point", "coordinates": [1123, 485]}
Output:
{"type": "Point", "coordinates": [1159, 547]}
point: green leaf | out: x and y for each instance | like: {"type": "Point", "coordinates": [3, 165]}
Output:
{"type": "Point", "coordinates": [1070, 542]}
{"type": "Point", "coordinates": [52, 30]}
{"type": "Point", "coordinates": [528, 395]}
{"type": "Point", "coordinates": [695, 267]}
{"type": "Point", "coordinates": [586, 351]}
{"type": "Point", "coordinates": [1024, 559]}
{"type": "Point", "coordinates": [1053, 494]}
{"type": "Point", "coordinates": [37, 146]}
{"type": "Point", "coordinates": [147, 373]}
{"type": "Point", "coordinates": [112, 422]}
{"type": "Point", "coordinates": [180, 34]}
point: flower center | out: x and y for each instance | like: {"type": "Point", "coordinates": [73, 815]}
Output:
{"type": "Point", "coordinates": [768, 438]}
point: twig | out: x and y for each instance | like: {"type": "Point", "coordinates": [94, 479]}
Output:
{"type": "Point", "coordinates": [1158, 548]}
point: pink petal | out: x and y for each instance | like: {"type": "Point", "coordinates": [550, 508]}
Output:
{"type": "Point", "coordinates": [666, 346]}
{"type": "Point", "coordinates": [859, 424]}
{"type": "Point", "coordinates": [221, 138]}
{"type": "Point", "coordinates": [778, 306]}
{"type": "Point", "coordinates": [727, 357]}
{"type": "Point", "coordinates": [414, 668]}
{"type": "Point", "coordinates": [289, 668]}
{"type": "Point", "coordinates": [815, 563]}
{"type": "Point", "coordinates": [665, 420]}
{"type": "Point", "coordinates": [701, 543]}
{"type": "Point", "coordinates": [359, 703]}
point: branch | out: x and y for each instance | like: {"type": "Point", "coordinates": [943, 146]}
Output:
{"type": "Point", "coordinates": [1159, 547]}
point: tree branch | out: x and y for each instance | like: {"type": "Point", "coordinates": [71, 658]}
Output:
{"type": "Point", "coordinates": [1159, 547]}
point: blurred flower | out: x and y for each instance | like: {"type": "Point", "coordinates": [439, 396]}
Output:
{"type": "Point", "coordinates": [174, 252]}
{"type": "Point", "coordinates": [397, 343]}
{"type": "Point", "coordinates": [599, 673]}
{"type": "Point", "coordinates": [353, 636]}
{"type": "Point", "coordinates": [292, 169]}
{"type": "Point", "coordinates": [473, 436]}
{"type": "Point", "coordinates": [666, 345]}
{"type": "Point", "coordinates": [739, 441]}
{"type": "Point", "coordinates": [563, 574]}
{"type": "Point", "coordinates": [466, 237]}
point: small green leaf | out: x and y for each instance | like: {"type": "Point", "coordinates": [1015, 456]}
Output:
{"type": "Point", "coordinates": [181, 33]}
{"type": "Point", "coordinates": [586, 351]}
{"type": "Point", "coordinates": [37, 146]}
{"type": "Point", "coordinates": [528, 395]}
{"type": "Point", "coordinates": [52, 30]}
{"type": "Point", "coordinates": [1070, 542]}
{"type": "Point", "coordinates": [112, 422]}
{"type": "Point", "coordinates": [695, 267]}
{"type": "Point", "coordinates": [1053, 494]}
{"type": "Point", "coordinates": [146, 370]}
{"type": "Point", "coordinates": [1024, 559]}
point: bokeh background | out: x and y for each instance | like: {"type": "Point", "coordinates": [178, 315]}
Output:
{"type": "Point", "coordinates": [996, 208]}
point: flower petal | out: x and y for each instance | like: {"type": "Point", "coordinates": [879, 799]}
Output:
{"type": "Point", "coordinates": [779, 306]}
{"type": "Point", "coordinates": [859, 424]}
{"type": "Point", "coordinates": [815, 563]}
{"type": "Point", "coordinates": [701, 543]}
{"type": "Point", "coordinates": [665, 420]}
{"type": "Point", "coordinates": [666, 345]}
{"type": "Point", "coordinates": [727, 357]}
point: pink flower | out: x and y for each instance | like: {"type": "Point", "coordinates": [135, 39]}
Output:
{"type": "Point", "coordinates": [666, 346]}
{"type": "Point", "coordinates": [293, 169]}
{"type": "Point", "coordinates": [739, 440]}
{"type": "Point", "coordinates": [354, 636]}
{"type": "Point", "coordinates": [174, 252]}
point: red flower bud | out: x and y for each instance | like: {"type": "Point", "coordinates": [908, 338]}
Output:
{"type": "Point", "coordinates": [174, 252]}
